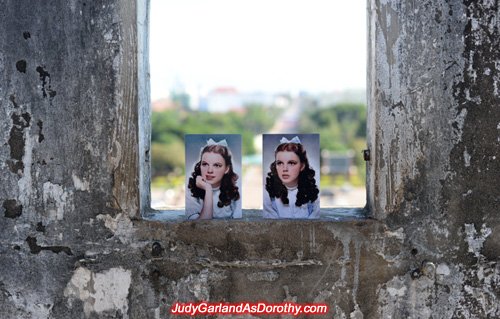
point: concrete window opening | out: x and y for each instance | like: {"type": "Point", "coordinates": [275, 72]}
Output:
{"type": "Point", "coordinates": [77, 233]}
{"type": "Point", "coordinates": [277, 46]}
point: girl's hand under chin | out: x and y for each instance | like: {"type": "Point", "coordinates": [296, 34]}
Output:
{"type": "Point", "coordinates": [201, 183]}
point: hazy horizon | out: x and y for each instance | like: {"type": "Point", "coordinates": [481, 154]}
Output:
{"type": "Point", "coordinates": [257, 46]}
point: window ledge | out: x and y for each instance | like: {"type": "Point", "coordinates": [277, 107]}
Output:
{"type": "Point", "coordinates": [330, 214]}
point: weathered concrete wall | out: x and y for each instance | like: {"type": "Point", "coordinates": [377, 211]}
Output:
{"type": "Point", "coordinates": [73, 144]}
{"type": "Point", "coordinates": [435, 125]}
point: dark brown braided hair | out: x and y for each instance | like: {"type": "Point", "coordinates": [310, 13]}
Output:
{"type": "Point", "coordinates": [228, 189]}
{"type": "Point", "coordinates": [307, 189]}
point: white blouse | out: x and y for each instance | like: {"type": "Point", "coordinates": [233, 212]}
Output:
{"type": "Point", "coordinates": [194, 206]}
{"type": "Point", "coordinates": [280, 210]}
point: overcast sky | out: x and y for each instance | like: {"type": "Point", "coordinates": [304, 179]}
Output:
{"type": "Point", "coordinates": [258, 45]}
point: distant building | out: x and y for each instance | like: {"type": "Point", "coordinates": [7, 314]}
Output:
{"type": "Point", "coordinates": [224, 99]}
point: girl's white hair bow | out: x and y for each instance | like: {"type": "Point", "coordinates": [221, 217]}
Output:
{"type": "Point", "coordinates": [221, 142]}
{"type": "Point", "coordinates": [293, 140]}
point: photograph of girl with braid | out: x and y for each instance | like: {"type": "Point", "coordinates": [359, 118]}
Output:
{"type": "Point", "coordinates": [213, 184]}
{"type": "Point", "coordinates": [291, 187]}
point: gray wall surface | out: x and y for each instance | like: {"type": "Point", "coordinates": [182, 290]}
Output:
{"type": "Point", "coordinates": [74, 132]}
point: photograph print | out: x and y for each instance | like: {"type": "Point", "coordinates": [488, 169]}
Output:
{"type": "Point", "coordinates": [291, 176]}
{"type": "Point", "coordinates": [213, 176]}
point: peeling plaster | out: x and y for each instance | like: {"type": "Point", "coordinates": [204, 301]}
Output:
{"type": "Point", "coordinates": [380, 249]}
{"type": "Point", "coordinates": [486, 299]}
{"type": "Point", "coordinates": [100, 291]}
{"type": "Point", "coordinates": [475, 240]}
{"type": "Point", "coordinates": [199, 284]}
{"type": "Point", "coordinates": [425, 297]}
{"type": "Point", "coordinates": [34, 306]}
{"type": "Point", "coordinates": [55, 199]}
{"type": "Point", "coordinates": [121, 226]}
{"type": "Point", "coordinates": [79, 184]}
{"type": "Point", "coordinates": [394, 292]}
{"type": "Point", "coordinates": [395, 299]}
{"type": "Point", "coordinates": [25, 182]}
{"type": "Point", "coordinates": [443, 270]}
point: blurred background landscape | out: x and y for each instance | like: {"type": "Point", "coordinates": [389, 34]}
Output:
{"type": "Point", "coordinates": [249, 68]}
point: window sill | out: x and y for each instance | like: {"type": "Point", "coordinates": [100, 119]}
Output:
{"type": "Point", "coordinates": [329, 214]}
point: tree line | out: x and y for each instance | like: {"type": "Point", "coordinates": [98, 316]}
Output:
{"type": "Point", "coordinates": [169, 127]}
{"type": "Point", "coordinates": [341, 127]}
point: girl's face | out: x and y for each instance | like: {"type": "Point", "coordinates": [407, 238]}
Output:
{"type": "Point", "coordinates": [289, 166]}
{"type": "Point", "coordinates": [213, 167]}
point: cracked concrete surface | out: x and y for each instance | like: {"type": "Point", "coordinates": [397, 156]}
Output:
{"type": "Point", "coordinates": [74, 136]}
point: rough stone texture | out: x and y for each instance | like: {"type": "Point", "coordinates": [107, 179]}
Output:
{"type": "Point", "coordinates": [435, 125]}
{"type": "Point", "coordinates": [74, 147]}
